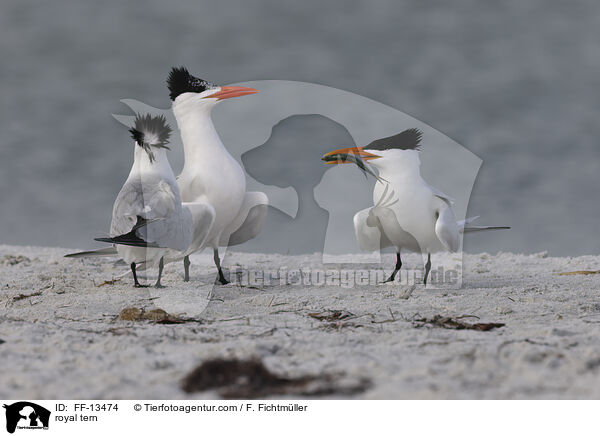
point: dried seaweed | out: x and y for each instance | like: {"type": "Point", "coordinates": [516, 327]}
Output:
{"type": "Point", "coordinates": [24, 296]}
{"type": "Point", "coordinates": [108, 282]}
{"type": "Point", "coordinates": [335, 319]}
{"type": "Point", "coordinates": [331, 315]}
{"type": "Point", "coordinates": [11, 260]}
{"type": "Point", "coordinates": [455, 323]}
{"type": "Point", "coordinates": [159, 316]}
{"type": "Point", "coordinates": [583, 272]}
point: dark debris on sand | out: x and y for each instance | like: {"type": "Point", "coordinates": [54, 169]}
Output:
{"type": "Point", "coordinates": [249, 379]}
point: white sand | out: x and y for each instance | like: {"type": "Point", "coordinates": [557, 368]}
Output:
{"type": "Point", "coordinates": [66, 343]}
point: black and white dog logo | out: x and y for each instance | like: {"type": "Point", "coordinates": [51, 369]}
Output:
{"type": "Point", "coordinates": [26, 415]}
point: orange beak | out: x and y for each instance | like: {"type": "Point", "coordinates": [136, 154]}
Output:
{"type": "Point", "coordinates": [337, 156]}
{"type": "Point", "coordinates": [232, 91]}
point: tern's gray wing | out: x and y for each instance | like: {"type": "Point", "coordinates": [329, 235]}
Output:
{"type": "Point", "coordinates": [128, 205]}
{"type": "Point", "coordinates": [157, 202]}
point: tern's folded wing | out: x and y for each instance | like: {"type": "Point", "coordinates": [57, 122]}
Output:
{"type": "Point", "coordinates": [203, 217]}
{"type": "Point", "coordinates": [392, 231]}
{"type": "Point", "coordinates": [368, 234]}
{"type": "Point", "coordinates": [249, 221]}
{"type": "Point", "coordinates": [446, 228]}
{"type": "Point", "coordinates": [157, 203]}
{"type": "Point", "coordinates": [449, 200]}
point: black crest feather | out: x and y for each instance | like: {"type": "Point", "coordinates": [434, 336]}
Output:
{"type": "Point", "coordinates": [180, 81]}
{"type": "Point", "coordinates": [409, 139]}
{"type": "Point", "coordinates": [151, 130]}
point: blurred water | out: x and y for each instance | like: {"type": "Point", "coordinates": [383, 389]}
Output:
{"type": "Point", "coordinates": [516, 82]}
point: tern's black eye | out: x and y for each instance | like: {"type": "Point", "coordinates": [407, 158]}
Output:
{"type": "Point", "coordinates": [181, 81]}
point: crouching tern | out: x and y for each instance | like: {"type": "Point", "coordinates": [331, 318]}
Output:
{"type": "Point", "coordinates": [148, 219]}
{"type": "Point", "coordinates": [211, 176]}
{"type": "Point", "coordinates": [407, 213]}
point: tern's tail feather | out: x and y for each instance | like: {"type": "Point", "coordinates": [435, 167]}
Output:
{"type": "Point", "coordinates": [108, 251]}
{"type": "Point", "coordinates": [483, 228]}
{"type": "Point", "coordinates": [462, 226]}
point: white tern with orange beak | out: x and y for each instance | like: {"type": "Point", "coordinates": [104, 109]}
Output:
{"type": "Point", "coordinates": [408, 213]}
{"type": "Point", "coordinates": [210, 174]}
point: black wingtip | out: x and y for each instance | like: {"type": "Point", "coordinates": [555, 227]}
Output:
{"type": "Point", "coordinates": [131, 238]}
{"type": "Point", "coordinates": [132, 242]}
{"type": "Point", "coordinates": [109, 240]}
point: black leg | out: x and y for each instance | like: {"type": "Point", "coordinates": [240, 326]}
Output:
{"type": "Point", "coordinates": [396, 269]}
{"type": "Point", "coordinates": [186, 268]}
{"type": "Point", "coordinates": [161, 265]}
{"type": "Point", "coordinates": [427, 268]}
{"type": "Point", "coordinates": [221, 279]}
{"type": "Point", "coordinates": [135, 280]}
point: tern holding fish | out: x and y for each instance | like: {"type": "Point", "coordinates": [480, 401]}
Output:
{"type": "Point", "coordinates": [408, 213]}
{"type": "Point", "coordinates": [345, 157]}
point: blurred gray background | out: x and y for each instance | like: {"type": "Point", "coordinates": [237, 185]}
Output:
{"type": "Point", "coordinates": [515, 82]}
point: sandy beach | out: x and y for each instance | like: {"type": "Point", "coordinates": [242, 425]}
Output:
{"type": "Point", "coordinates": [62, 335]}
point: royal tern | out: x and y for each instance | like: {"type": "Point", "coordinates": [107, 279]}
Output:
{"type": "Point", "coordinates": [408, 213]}
{"type": "Point", "coordinates": [211, 176]}
{"type": "Point", "coordinates": [148, 217]}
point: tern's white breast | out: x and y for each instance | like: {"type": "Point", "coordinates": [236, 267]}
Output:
{"type": "Point", "coordinates": [415, 208]}
{"type": "Point", "coordinates": [210, 174]}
